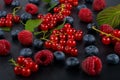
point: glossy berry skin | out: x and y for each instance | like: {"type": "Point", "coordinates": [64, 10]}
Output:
{"type": "Point", "coordinates": [89, 39]}
{"type": "Point", "coordinates": [16, 19]}
{"type": "Point", "coordinates": [14, 34]}
{"type": "Point", "coordinates": [113, 59]}
{"type": "Point", "coordinates": [59, 56]}
{"type": "Point", "coordinates": [69, 19]}
{"type": "Point", "coordinates": [81, 6]}
{"type": "Point", "coordinates": [3, 14]}
{"type": "Point", "coordinates": [2, 34]}
{"type": "Point", "coordinates": [72, 62]}
{"type": "Point", "coordinates": [34, 1]}
{"type": "Point", "coordinates": [20, 60]}
{"type": "Point", "coordinates": [8, 23]}
{"type": "Point", "coordinates": [26, 52]}
{"type": "Point", "coordinates": [25, 16]}
{"type": "Point", "coordinates": [15, 3]}
{"type": "Point", "coordinates": [91, 50]}
{"type": "Point", "coordinates": [26, 72]}
{"type": "Point", "coordinates": [8, 2]}
{"type": "Point", "coordinates": [17, 70]}
{"type": "Point", "coordinates": [38, 44]}
{"type": "Point", "coordinates": [106, 40]}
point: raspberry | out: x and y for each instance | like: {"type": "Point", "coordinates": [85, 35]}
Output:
{"type": "Point", "coordinates": [85, 15]}
{"type": "Point", "coordinates": [25, 37]}
{"type": "Point", "coordinates": [4, 47]}
{"type": "Point", "coordinates": [106, 28]}
{"type": "Point", "coordinates": [117, 48]}
{"type": "Point", "coordinates": [31, 8]}
{"type": "Point", "coordinates": [8, 2]}
{"type": "Point", "coordinates": [99, 5]}
{"type": "Point", "coordinates": [92, 65]}
{"type": "Point", "coordinates": [44, 57]}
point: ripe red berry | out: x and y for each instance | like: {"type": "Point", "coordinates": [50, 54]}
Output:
{"type": "Point", "coordinates": [2, 23]}
{"type": "Point", "coordinates": [26, 72]}
{"type": "Point", "coordinates": [85, 15]}
{"type": "Point", "coordinates": [106, 40]}
{"type": "Point", "coordinates": [116, 33]}
{"type": "Point", "coordinates": [8, 2]}
{"type": "Point", "coordinates": [48, 44]}
{"type": "Point", "coordinates": [71, 43]}
{"type": "Point", "coordinates": [92, 65]}
{"type": "Point", "coordinates": [40, 16]}
{"type": "Point", "coordinates": [17, 70]}
{"type": "Point", "coordinates": [9, 16]}
{"type": "Point", "coordinates": [20, 60]}
{"type": "Point", "coordinates": [117, 48]}
{"type": "Point", "coordinates": [74, 52]}
{"type": "Point", "coordinates": [31, 8]}
{"type": "Point", "coordinates": [8, 23]}
{"type": "Point", "coordinates": [25, 37]}
{"type": "Point", "coordinates": [35, 67]}
{"type": "Point", "coordinates": [16, 19]}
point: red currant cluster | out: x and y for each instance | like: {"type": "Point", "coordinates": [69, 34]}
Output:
{"type": "Point", "coordinates": [49, 21]}
{"type": "Point", "coordinates": [65, 40]}
{"type": "Point", "coordinates": [72, 2]}
{"type": "Point", "coordinates": [24, 66]}
{"type": "Point", "coordinates": [8, 20]}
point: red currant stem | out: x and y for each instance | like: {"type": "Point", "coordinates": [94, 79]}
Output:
{"type": "Point", "coordinates": [62, 8]}
{"type": "Point", "coordinates": [13, 62]}
{"type": "Point", "coordinates": [22, 22]}
{"type": "Point", "coordinates": [108, 35]}
{"type": "Point", "coordinates": [44, 39]}
{"type": "Point", "coordinates": [44, 33]}
{"type": "Point", "coordinates": [15, 10]}
{"type": "Point", "coordinates": [36, 33]}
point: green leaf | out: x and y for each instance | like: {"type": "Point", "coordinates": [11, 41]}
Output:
{"type": "Point", "coordinates": [46, 1]}
{"type": "Point", "coordinates": [109, 16]}
{"type": "Point", "coordinates": [52, 6]}
{"type": "Point", "coordinates": [32, 24]}
{"type": "Point", "coordinates": [6, 29]}
{"type": "Point", "coordinates": [61, 26]}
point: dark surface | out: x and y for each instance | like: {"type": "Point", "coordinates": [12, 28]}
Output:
{"type": "Point", "coordinates": [56, 72]}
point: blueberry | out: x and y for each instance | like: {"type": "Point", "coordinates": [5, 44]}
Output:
{"type": "Point", "coordinates": [2, 34]}
{"type": "Point", "coordinates": [91, 50]}
{"type": "Point", "coordinates": [89, 39]}
{"type": "Point", "coordinates": [54, 2]}
{"type": "Point", "coordinates": [25, 16]}
{"type": "Point", "coordinates": [15, 3]}
{"type": "Point", "coordinates": [38, 44]}
{"type": "Point", "coordinates": [89, 28]}
{"type": "Point", "coordinates": [72, 62]}
{"type": "Point", "coordinates": [14, 34]}
{"type": "Point", "coordinates": [89, 1]}
{"type": "Point", "coordinates": [69, 19]}
{"type": "Point", "coordinates": [112, 59]}
{"type": "Point", "coordinates": [59, 56]}
{"type": "Point", "coordinates": [34, 1]}
{"type": "Point", "coordinates": [3, 14]}
{"type": "Point", "coordinates": [81, 6]}
{"type": "Point", "coordinates": [26, 52]}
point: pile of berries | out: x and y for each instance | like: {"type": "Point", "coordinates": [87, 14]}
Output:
{"type": "Point", "coordinates": [24, 66]}
{"type": "Point", "coordinates": [65, 40]}
{"type": "Point", "coordinates": [6, 20]}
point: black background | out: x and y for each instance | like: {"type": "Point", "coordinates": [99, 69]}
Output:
{"type": "Point", "coordinates": [56, 72]}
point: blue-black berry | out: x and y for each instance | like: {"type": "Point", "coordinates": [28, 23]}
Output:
{"type": "Point", "coordinates": [14, 34]}
{"type": "Point", "coordinates": [38, 44]}
{"type": "Point", "coordinates": [90, 29]}
{"type": "Point", "coordinates": [26, 52]}
{"type": "Point", "coordinates": [72, 62]}
{"type": "Point", "coordinates": [3, 14]}
{"type": "Point", "coordinates": [113, 59]}
{"type": "Point", "coordinates": [34, 1]}
{"type": "Point", "coordinates": [54, 2]}
{"type": "Point", "coordinates": [91, 50]}
{"type": "Point", "coordinates": [81, 6]}
{"type": "Point", "coordinates": [89, 1]}
{"type": "Point", "coordinates": [69, 19]}
{"type": "Point", "coordinates": [59, 56]}
{"type": "Point", "coordinates": [15, 3]}
{"type": "Point", "coordinates": [25, 16]}
{"type": "Point", "coordinates": [2, 34]}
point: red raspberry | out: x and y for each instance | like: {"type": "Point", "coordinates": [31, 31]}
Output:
{"type": "Point", "coordinates": [8, 2]}
{"type": "Point", "coordinates": [25, 37]}
{"type": "Point", "coordinates": [85, 15]}
{"type": "Point", "coordinates": [31, 8]}
{"type": "Point", "coordinates": [44, 57]}
{"type": "Point", "coordinates": [4, 47]}
{"type": "Point", "coordinates": [117, 48]}
{"type": "Point", "coordinates": [106, 28]}
{"type": "Point", "coordinates": [99, 5]}
{"type": "Point", "coordinates": [92, 65]}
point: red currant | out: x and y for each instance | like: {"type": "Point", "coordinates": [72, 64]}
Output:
{"type": "Point", "coordinates": [17, 70]}
{"type": "Point", "coordinates": [8, 23]}
{"type": "Point", "coordinates": [71, 43]}
{"type": "Point", "coordinates": [106, 40]}
{"type": "Point", "coordinates": [26, 72]}
{"type": "Point", "coordinates": [16, 19]}
{"type": "Point", "coordinates": [48, 44]}
{"type": "Point", "coordinates": [20, 60]}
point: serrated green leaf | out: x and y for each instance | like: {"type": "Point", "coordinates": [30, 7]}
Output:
{"type": "Point", "coordinates": [52, 6]}
{"type": "Point", "coordinates": [6, 29]}
{"type": "Point", "coordinates": [46, 1]}
{"type": "Point", "coordinates": [109, 16]}
{"type": "Point", "coordinates": [32, 24]}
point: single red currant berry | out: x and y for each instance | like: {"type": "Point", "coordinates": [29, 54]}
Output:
{"type": "Point", "coordinates": [48, 44]}
{"type": "Point", "coordinates": [17, 70]}
{"type": "Point", "coordinates": [44, 27]}
{"type": "Point", "coordinates": [71, 43]}
{"type": "Point", "coordinates": [60, 47]}
{"type": "Point", "coordinates": [20, 60]}
{"type": "Point", "coordinates": [54, 46]}
{"type": "Point", "coordinates": [62, 42]}
{"type": "Point", "coordinates": [74, 52]}
{"type": "Point", "coordinates": [8, 23]}
{"type": "Point", "coordinates": [40, 16]}
{"type": "Point", "coordinates": [106, 40]}
{"type": "Point", "coordinates": [9, 16]}
{"type": "Point", "coordinates": [67, 49]}
{"type": "Point", "coordinates": [71, 37]}
{"type": "Point", "coordinates": [116, 33]}
{"type": "Point", "coordinates": [16, 19]}
{"type": "Point", "coordinates": [62, 36]}
{"type": "Point", "coordinates": [78, 36]}
{"type": "Point", "coordinates": [54, 38]}
{"type": "Point", "coordinates": [35, 67]}
{"type": "Point", "coordinates": [2, 23]}
{"type": "Point", "coordinates": [26, 72]}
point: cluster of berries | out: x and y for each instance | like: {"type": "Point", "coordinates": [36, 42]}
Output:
{"type": "Point", "coordinates": [110, 35]}
{"type": "Point", "coordinates": [72, 2]}
{"type": "Point", "coordinates": [13, 3]}
{"type": "Point", "coordinates": [65, 40]}
{"type": "Point", "coordinates": [6, 20]}
{"type": "Point", "coordinates": [24, 66]}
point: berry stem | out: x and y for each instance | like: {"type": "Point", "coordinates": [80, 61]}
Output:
{"type": "Point", "coordinates": [13, 62]}
{"type": "Point", "coordinates": [22, 22]}
{"type": "Point", "coordinates": [36, 33]}
{"type": "Point", "coordinates": [15, 10]}
{"type": "Point", "coordinates": [44, 39]}
{"type": "Point", "coordinates": [108, 35]}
